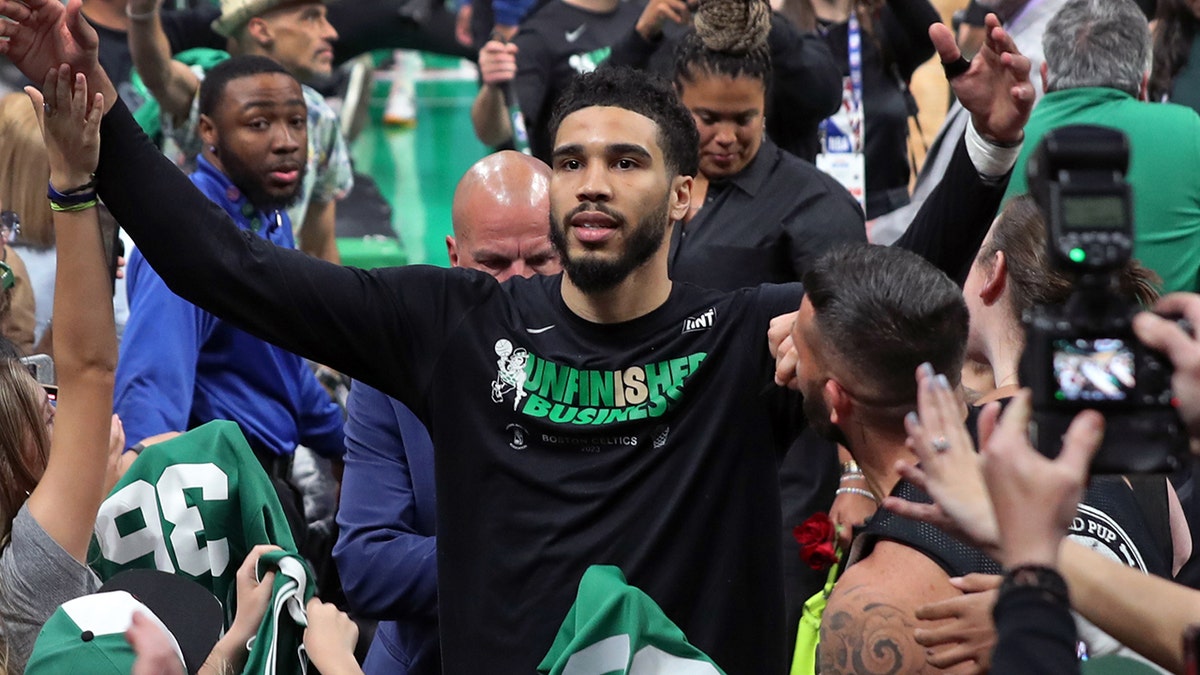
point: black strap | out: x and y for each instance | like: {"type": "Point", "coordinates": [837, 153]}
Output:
{"type": "Point", "coordinates": [1150, 492]}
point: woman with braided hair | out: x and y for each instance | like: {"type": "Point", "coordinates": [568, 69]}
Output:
{"type": "Point", "coordinates": [759, 214]}
{"type": "Point", "coordinates": [806, 82]}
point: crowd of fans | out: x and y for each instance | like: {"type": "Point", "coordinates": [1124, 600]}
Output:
{"type": "Point", "coordinates": [664, 343]}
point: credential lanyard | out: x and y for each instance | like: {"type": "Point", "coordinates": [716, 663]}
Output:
{"type": "Point", "coordinates": [854, 51]}
{"type": "Point", "coordinates": [843, 133]}
{"type": "Point", "coordinates": [841, 153]}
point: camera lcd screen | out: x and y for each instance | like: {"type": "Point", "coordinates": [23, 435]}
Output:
{"type": "Point", "coordinates": [1104, 212]}
{"type": "Point", "coordinates": [1093, 369]}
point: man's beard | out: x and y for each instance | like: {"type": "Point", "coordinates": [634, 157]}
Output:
{"type": "Point", "coordinates": [251, 183]}
{"type": "Point", "coordinates": [817, 414]}
{"type": "Point", "coordinates": [593, 275]}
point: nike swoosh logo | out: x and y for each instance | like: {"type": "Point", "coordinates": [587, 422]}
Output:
{"type": "Point", "coordinates": [573, 35]}
{"type": "Point", "coordinates": [538, 331]}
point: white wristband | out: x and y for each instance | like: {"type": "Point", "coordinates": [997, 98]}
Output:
{"type": "Point", "coordinates": [991, 161]}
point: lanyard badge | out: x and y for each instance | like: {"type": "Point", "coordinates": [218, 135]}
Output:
{"type": "Point", "coordinates": [841, 153]}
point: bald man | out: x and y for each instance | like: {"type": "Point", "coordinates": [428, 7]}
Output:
{"type": "Point", "coordinates": [501, 218]}
{"type": "Point", "coordinates": [386, 550]}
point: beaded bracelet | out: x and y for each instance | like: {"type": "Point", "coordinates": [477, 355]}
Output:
{"type": "Point", "coordinates": [856, 491]}
{"type": "Point", "coordinates": [72, 208]}
{"type": "Point", "coordinates": [76, 195]}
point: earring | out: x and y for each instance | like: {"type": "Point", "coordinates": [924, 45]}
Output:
{"type": "Point", "coordinates": [212, 149]}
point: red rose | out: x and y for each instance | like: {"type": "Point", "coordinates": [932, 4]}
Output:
{"type": "Point", "coordinates": [816, 539]}
{"type": "Point", "coordinates": [819, 557]}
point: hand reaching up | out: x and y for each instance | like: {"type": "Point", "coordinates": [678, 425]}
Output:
{"type": "Point", "coordinates": [70, 122]}
{"type": "Point", "coordinates": [44, 34]}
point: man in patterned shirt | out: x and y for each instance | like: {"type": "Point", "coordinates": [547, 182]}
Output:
{"type": "Point", "coordinates": [295, 33]}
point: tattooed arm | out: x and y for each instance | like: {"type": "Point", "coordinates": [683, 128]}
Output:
{"type": "Point", "coordinates": [867, 628]}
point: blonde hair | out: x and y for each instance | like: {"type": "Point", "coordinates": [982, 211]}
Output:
{"type": "Point", "coordinates": [25, 170]}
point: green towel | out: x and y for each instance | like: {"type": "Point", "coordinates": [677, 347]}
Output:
{"type": "Point", "coordinates": [277, 646]}
{"type": "Point", "coordinates": [616, 629]}
{"type": "Point", "coordinates": [149, 113]}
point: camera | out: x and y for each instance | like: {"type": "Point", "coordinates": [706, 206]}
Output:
{"type": "Point", "coordinates": [1083, 354]}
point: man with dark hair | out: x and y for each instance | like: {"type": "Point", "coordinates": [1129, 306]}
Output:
{"type": "Point", "coordinates": [878, 313]}
{"type": "Point", "coordinates": [588, 418]}
{"type": "Point", "coordinates": [181, 366]}
{"type": "Point", "coordinates": [870, 316]}
{"type": "Point", "coordinates": [298, 35]}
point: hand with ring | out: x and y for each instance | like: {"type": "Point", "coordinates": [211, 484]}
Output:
{"type": "Point", "coordinates": [69, 117]}
{"type": "Point", "coordinates": [948, 466]}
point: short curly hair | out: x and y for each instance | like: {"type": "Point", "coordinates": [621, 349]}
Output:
{"type": "Point", "coordinates": [644, 94]}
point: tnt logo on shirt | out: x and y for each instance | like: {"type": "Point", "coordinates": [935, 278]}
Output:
{"type": "Point", "coordinates": [703, 321]}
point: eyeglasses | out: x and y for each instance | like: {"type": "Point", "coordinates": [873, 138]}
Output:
{"type": "Point", "coordinates": [10, 226]}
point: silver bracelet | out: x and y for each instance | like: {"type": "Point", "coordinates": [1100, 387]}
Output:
{"type": "Point", "coordinates": [857, 491]}
{"type": "Point", "coordinates": [852, 475]}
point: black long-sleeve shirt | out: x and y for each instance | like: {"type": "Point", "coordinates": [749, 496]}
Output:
{"type": "Point", "coordinates": [1035, 635]}
{"type": "Point", "coordinates": [650, 444]}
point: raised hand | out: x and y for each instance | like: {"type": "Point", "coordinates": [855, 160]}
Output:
{"type": "Point", "coordinates": [43, 34]}
{"type": "Point", "coordinates": [658, 12]}
{"type": "Point", "coordinates": [949, 468]}
{"type": "Point", "coordinates": [70, 124]}
{"type": "Point", "coordinates": [996, 88]}
{"type": "Point", "coordinates": [497, 62]}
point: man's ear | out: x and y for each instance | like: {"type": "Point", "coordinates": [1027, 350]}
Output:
{"type": "Point", "coordinates": [838, 400]}
{"type": "Point", "coordinates": [452, 250]}
{"type": "Point", "coordinates": [681, 197]}
{"type": "Point", "coordinates": [258, 30]}
{"type": "Point", "coordinates": [995, 280]}
{"type": "Point", "coordinates": [207, 130]}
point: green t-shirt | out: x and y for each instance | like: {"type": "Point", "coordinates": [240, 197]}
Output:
{"type": "Point", "coordinates": [1164, 170]}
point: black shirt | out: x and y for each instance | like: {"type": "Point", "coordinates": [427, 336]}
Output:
{"type": "Point", "coordinates": [1035, 634]}
{"type": "Point", "coordinates": [556, 43]}
{"type": "Point", "coordinates": [806, 83]}
{"type": "Point", "coordinates": [650, 444]}
{"type": "Point", "coordinates": [766, 224]}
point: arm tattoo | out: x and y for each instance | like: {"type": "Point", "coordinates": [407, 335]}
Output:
{"type": "Point", "coordinates": [865, 637]}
